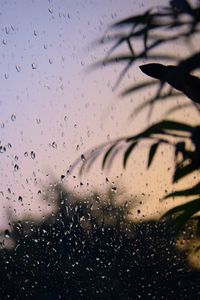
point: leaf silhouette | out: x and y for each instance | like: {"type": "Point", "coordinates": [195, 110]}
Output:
{"type": "Point", "coordinates": [182, 213]}
{"type": "Point", "coordinates": [108, 152]}
{"type": "Point", "coordinates": [139, 86]}
{"type": "Point", "coordinates": [177, 76]}
{"type": "Point", "coordinates": [195, 190]}
{"type": "Point", "coordinates": [128, 152]}
{"type": "Point", "coordinates": [163, 127]}
{"type": "Point", "coordinates": [154, 70]}
{"type": "Point", "coordinates": [152, 153]}
{"type": "Point", "coordinates": [154, 100]}
{"type": "Point", "coordinates": [184, 171]}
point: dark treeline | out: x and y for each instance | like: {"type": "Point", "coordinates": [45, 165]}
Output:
{"type": "Point", "coordinates": [89, 250]}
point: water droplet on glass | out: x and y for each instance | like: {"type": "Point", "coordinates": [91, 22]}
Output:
{"type": "Point", "coordinates": [18, 68]}
{"type": "Point", "coordinates": [83, 157]}
{"type": "Point", "coordinates": [13, 118]}
{"type": "Point", "coordinates": [7, 30]}
{"type": "Point", "coordinates": [35, 33]}
{"type": "Point", "coordinates": [50, 61]}
{"type": "Point", "coordinates": [77, 148]}
{"type": "Point", "coordinates": [54, 145]}
{"type": "Point", "coordinates": [126, 204]}
{"type": "Point", "coordinates": [7, 233]}
{"type": "Point", "coordinates": [34, 66]}
{"type": "Point", "coordinates": [20, 198]}
{"type": "Point", "coordinates": [2, 149]}
{"type": "Point", "coordinates": [32, 155]}
{"type": "Point", "coordinates": [6, 75]}
{"type": "Point", "coordinates": [4, 42]}
{"type": "Point", "coordinates": [16, 167]}
{"type": "Point", "coordinates": [62, 177]}
{"type": "Point", "coordinates": [26, 154]}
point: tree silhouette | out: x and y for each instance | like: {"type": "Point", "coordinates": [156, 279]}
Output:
{"type": "Point", "coordinates": [93, 252]}
{"type": "Point", "coordinates": [156, 28]}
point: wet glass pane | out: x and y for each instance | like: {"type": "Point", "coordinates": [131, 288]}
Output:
{"type": "Point", "coordinates": [99, 146]}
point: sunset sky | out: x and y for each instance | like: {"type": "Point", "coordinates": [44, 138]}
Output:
{"type": "Point", "coordinates": [52, 110]}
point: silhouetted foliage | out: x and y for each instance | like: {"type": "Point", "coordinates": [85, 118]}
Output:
{"type": "Point", "coordinates": [89, 250]}
{"type": "Point", "coordinates": [160, 26]}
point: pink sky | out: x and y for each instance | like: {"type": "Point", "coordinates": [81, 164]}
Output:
{"type": "Point", "coordinates": [52, 110]}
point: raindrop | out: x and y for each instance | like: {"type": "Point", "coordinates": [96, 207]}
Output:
{"type": "Point", "coordinates": [50, 61]}
{"type": "Point", "coordinates": [126, 204]}
{"type": "Point", "coordinates": [26, 154]}
{"type": "Point", "coordinates": [83, 157]}
{"type": "Point", "coordinates": [7, 233]}
{"type": "Point", "coordinates": [20, 198]}
{"type": "Point", "coordinates": [62, 177]}
{"type": "Point", "coordinates": [4, 42]}
{"type": "Point", "coordinates": [1, 149]}
{"type": "Point", "coordinates": [54, 145]}
{"type": "Point", "coordinates": [32, 155]}
{"type": "Point", "coordinates": [16, 167]}
{"type": "Point", "coordinates": [35, 33]}
{"type": "Point", "coordinates": [13, 118]}
{"type": "Point", "coordinates": [6, 75]}
{"type": "Point", "coordinates": [18, 68]}
{"type": "Point", "coordinates": [7, 30]}
{"type": "Point", "coordinates": [34, 66]}
{"type": "Point", "coordinates": [77, 148]}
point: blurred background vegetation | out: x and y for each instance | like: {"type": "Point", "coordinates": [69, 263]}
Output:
{"type": "Point", "coordinates": [88, 248]}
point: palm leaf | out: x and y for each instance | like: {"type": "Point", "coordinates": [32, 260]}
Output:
{"type": "Point", "coordinates": [163, 127]}
{"type": "Point", "coordinates": [184, 171]}
{"type": "Point", "coordinates": [128, 152]}
{"type": "Point", "coordinates": [108, 152]}
{"type": "Point", "coordinates": [182, 213]}
{"type": "Point", "coordinates": [195, 190]}
{"type": "Point", "coordinates": [152, 153]}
